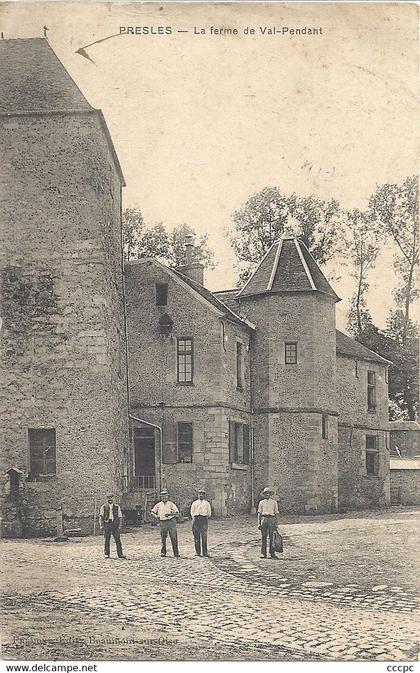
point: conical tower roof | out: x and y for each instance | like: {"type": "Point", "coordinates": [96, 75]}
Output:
{"type": "Point", "coordinates": [287, 267]}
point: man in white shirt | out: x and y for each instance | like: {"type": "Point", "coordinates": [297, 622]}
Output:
{"type": "Point", "coordinates": [268, 511]}
{"type": "Point", "coordinates": [110, 518]}
{"type": "Point", "coordinates": [200, 514]}
{"type": "Point", "coordinates": [166, 512]}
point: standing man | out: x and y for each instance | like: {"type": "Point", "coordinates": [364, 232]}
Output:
{"type": "Point", "coordinates": [200, 514]}
{"type": "Point", "coordinates": [166, 512]}
{"type": "Point", "coordinates": [268, 511]}
{"type": "Point", "coordinates": [110, 520]}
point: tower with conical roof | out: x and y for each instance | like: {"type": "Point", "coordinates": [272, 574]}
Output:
{"type": "Point", "coordinates": [294, 377]}
{"type": "Point", "coordinates": [65, 408]}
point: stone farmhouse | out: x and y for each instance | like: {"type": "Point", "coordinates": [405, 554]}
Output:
{"type": "Point", "coordinates": [130, 380]}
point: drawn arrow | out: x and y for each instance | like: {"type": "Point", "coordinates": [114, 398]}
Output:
{"type": "Point", "coordinates": [82, 50]}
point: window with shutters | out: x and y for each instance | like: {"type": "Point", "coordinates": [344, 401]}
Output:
{"type": "Point", "coordinates": [372, 455]}
{"type": "Point", "coordinates": [185, 442]}
{"type": "Point", "coordinates": [238, 443]}
{"type": "Point", "coordinates": [185, 361]}
{"type": "Point", "coordinates": [42, 452]}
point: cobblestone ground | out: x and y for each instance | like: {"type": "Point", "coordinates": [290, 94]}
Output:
{"type": "Point", "coordinates": [343, 590]}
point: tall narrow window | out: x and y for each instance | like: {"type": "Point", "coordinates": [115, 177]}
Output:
{"type": "Point", "coordinates": [372, 455]}
{"type": "Point", "coordinates": [185, 442]}
{"type": "Point", "coordinates": [239, 443]}
{"type": "Point", "coordinates": [161, 294]}
{"type": "Point", "coordinates": [371, 391]}
{"type": "Point", "coordinates": [239, 383]}
{"type": "Point", "coordinates": [185, 362]}
{"type": "Point", "coordinates": [42, 451]}
{"type": "Point", "coordinates": [324, 426]}
{"type": "Point", "coordinates": [290, 353]}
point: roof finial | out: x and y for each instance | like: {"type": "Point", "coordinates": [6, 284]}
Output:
{"type": "Point", "coordinates": [45, 31]}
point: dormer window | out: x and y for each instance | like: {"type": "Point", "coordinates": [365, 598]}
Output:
{"type": "Point", "coordinates": [161, 294]}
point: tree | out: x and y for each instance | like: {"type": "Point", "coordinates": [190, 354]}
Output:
{"type": "Point", "coordinates": [133, 225]}
{"type": "Point", "coordinates": [268, 215]}
{"type": "Point", "coordinates": [396, 208]}
{"type": "Point", "coordinates": [362, 244]}
{"type": "Point", "coordinates": [142, 241]}
{"type": "Point", "coordinates": [175, 255]}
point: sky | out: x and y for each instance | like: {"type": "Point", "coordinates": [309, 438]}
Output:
{"type": "Point", "coordinates": [201, 121]}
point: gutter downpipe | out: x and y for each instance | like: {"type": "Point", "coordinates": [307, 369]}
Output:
{"type": "Point", "coordinates": [251, 404]}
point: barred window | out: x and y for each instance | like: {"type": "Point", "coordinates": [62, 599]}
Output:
{"type": "Point", "coordinates": [185, 442]}
{"type": "Point", "coordinates": [290, 353]}
{"type": "Point", "coordinates": [42, 451]}
{"type": "Point", "coordinates": [185, 362]}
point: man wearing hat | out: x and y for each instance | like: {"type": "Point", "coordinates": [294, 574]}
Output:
{"type": "Point", "coordinates": [166, 512]}
{"type": "Point", "coordinates": [200, 514]}
{"type": "Point", "coordinates": [110, 519]}
{"type": "Point", "coordinates": [268, 511]}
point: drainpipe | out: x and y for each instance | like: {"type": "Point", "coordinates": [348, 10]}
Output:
{"type": "Point", "coordinates": [251, 417]}
{"type": "Point", "coordinates": [159, 429]}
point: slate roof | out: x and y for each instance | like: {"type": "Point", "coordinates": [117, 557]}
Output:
{"type": "Point", "coordinates": [211, 298]}
{"type": "Point", "coordinates": [345, 345]}
{"type": "Point", "coordinates": [32, 79]}
{"type": "Point", "coordinates": [288, 266]}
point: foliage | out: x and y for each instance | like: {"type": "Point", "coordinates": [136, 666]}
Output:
{"type": "Point", "coordinates": [396, 208]}
{"type": "Point", "coordinates": [268, 215]}
{"type": "Point", "coordinates": [155, 241]}
{"type": "Point", "coordinates": [363, 241]}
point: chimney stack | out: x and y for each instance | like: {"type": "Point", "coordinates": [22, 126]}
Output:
{"type": "Point", "coordinates": [193, 270]}
{"type": "Point", "coordinates": [189, 249]}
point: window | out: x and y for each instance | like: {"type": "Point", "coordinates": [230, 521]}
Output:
{"type": "Point", "coordinates": [371, 391]}
{"type": "Point", "coordinates": [324, 426]}
{"type": "Point", "coordinates": [185, 360]}
{"type": "Point", "coordinates": [239, 384]}
{"type": "Point", "coordinates": [42, 452]}
{"type": "Point", "coordinates": [290, 353]}
{"type": "Point", "coordinates": [185, 442]}
{"type": "Point", "coordinates": [161, 294]}
{"type": "Point", "coordinates": [238, 443]}
{"type": "Point", "coordinates": [372, 455]}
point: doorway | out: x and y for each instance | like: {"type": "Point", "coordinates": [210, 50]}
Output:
{"type": "Point", "coordinates": [144, 458]}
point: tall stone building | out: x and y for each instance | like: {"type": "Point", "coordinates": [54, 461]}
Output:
{"type": "Point", "coordinates": [64, 402]}
{"type": "Point", "coordinates": [235, 390]}
{"type": "Point", "coordinates": [231, 391]}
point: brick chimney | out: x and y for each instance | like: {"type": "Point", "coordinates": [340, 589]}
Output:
{"type": "Point", "coordinates": [193, 270]}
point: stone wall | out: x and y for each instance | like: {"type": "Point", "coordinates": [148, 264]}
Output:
{"type": "Point", "coordinates": [63, 357]}
{"type": "Point", "coordinates": [228, 486]}
{"type": "Point", "coordinates": [356, 488]}
{"type": "Point", "coordinates": [289, 400]}
{"type": "Point", "coordinates": [406, 485]}
{"type": "Point", "coordinates": [407, 441]}
{"type": "Point", "coordinates": [208, 404]}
